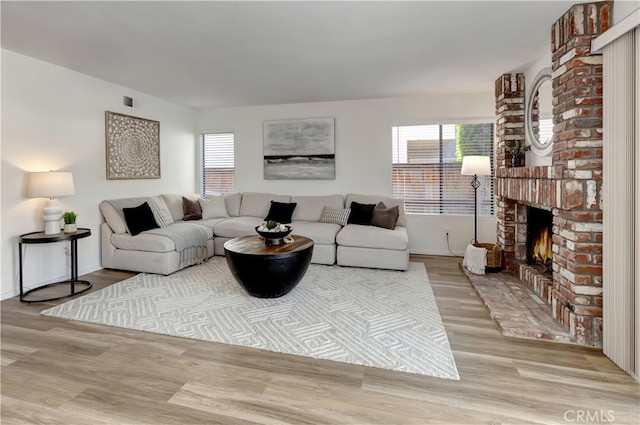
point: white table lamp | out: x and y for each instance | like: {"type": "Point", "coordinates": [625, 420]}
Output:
{"type": "Point", "coordinates": [476, 165]}
{"type": "Point", "coordinates": [49, 184]}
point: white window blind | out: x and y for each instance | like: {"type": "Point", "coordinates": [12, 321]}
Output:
{"type": "Point", "coordinates": [217, 163]}
{"type": "Point", "coordinates": [427, 160]}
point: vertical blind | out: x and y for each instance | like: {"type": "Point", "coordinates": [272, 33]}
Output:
{"type": "Point", "coordinates": [217, 153]}
{"type": "Point", "coordinates": [427, 160]}
{"type": "Point", "coordinates": [621, 201]}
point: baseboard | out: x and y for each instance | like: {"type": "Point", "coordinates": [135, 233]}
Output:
{"type": "Point", "coordinates": [439, 253]}
{"type": "Point", "coordinates": [16, 291]}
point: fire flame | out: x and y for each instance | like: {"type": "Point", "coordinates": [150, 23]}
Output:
{"type": "Point", "coordinates": [542, 247]}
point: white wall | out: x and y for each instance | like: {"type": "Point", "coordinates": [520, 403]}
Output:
{"type": "Point", "coordinates": [53, 119]}
{"type": "Point", "coordinates": [363, 153]}
{"type": "Point", "coordinates": [622, 9]}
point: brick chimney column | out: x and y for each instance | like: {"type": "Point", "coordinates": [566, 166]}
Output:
{"type": "Point", "coordinates": [577, 154]}
{"type": "Point", "coordinates": [509, 92]}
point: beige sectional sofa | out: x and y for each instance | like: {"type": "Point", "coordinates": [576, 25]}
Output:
{"type": "Point", "coordinates": [169, 248]}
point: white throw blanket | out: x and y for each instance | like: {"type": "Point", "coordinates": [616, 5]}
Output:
{"type": "Point", "coordinates": [475, 259]}
{"type": "Point", "coordinates": [190, 240]}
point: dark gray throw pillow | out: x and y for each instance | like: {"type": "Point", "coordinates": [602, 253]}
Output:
{"type": "Point", "coordinates": [192, 209]}
{"type": "Point", "coordinates": [139, 219]}
{"type": "Point", "coordinates": [281, 212]}
{"type": "Point", "coordinates": [385, 217]}
{"type": "Point", "coordinates": [361, 213]}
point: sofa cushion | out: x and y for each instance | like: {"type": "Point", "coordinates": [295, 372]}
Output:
{"type": "Point", "coordinates": [233, 201]}
{"type": "Point", "coordinates": [112, 211]}
{"type": "Point", "coordinates": [209, 223]}
{"type": "Point", "coordinates": [206, 224]}
{"type": "Point", "coordinates": [374, 199]}
{"type": "Point", "coordinates": [372, 257]}
{"type": "Point", "coordinates": [320, 233]}
{"type": "Point", "coordinates": [175, 204]}
{"type": "Point", "coordinates": [360, 213]}
{"type": "Point", "coordinates": [237, 226]}
{"type": "Point", "coordinates": [280, 212]}
{"type": "Point", "coordinates": [139, 218]}
{"type": "Point", "coordinates": [213, 207]}
{"type": "Point", "coordinates": [357, 235]}
{"type": "Point", "coordinates": [192, 210]}
{"type": "Point", "coordinates": [310, 207]}
{"type": "Point", "coordinates": [385, 217]}
{"type": "Point", "coordinates": [114, 219]}
{"type": "Point", "coordinates": [258, 204]}
{"type": "Point", "coordinates": [336, 216]}
{"type": "Point", "coordinates": [143, 242]}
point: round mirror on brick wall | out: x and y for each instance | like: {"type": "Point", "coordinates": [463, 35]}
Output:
{"type": "Point", "coordinates": [539, 114]}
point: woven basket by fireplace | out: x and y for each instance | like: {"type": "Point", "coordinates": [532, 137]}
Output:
{"type": "Point", "coordinates": [494, 255]}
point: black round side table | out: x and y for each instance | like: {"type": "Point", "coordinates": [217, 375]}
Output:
{"type": "Point", "coordinates": [40, 237]}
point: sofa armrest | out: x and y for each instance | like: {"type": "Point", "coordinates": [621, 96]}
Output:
{"type": "Point", "coordinates": [106, 247]}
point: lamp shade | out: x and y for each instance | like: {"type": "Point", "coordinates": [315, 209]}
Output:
{"type": "Point", "coordinates": [476, 165]}
{"type": "Point", "coordinates": [49, 184]}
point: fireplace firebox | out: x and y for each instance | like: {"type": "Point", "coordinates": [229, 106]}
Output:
{"type": "Point", "coordinates": [539, 239]}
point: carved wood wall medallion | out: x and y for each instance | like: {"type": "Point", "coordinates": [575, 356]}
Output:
{"type": "Point", "coordinates": [133, 147]}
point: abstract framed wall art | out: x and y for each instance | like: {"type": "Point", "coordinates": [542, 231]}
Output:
{"type": "Point", "coordinates": [299, 149]}
{"type": "Point", "coordinates": [133, 147]}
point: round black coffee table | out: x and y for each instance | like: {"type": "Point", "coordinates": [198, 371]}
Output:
{"type": "Point", "coordinates": [268, 271]}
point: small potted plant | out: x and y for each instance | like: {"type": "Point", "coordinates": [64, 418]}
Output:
{"type": "Point", "coordinates": [517, 150]}
{"type": "Point", "coordinates": [274, 233]}
{"type": "Point", "coordinates": [70, 225]}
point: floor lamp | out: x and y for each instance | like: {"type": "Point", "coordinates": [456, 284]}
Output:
{"type": "Point", "coordinates": [476, 165]}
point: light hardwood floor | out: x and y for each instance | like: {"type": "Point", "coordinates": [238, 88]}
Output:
{"type": "Point", "coordinates": [60, 372]}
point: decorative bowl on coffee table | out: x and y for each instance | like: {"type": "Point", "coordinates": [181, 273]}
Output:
{"type": "Point", "coordinates": [274, 238]}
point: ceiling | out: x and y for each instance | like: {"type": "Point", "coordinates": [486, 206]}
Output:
{"type": "Point", "coordinates": [217, 54]}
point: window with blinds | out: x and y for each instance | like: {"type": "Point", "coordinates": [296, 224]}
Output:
{"type": "Point", "coordinates": [217, 155]}
{"type": "Point", "coordinates": [427, 160]}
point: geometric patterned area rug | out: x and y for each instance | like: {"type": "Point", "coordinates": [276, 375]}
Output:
{"type": "Point", "coordinates": [377, 318]}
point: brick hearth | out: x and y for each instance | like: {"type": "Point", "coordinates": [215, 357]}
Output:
{"type": "Point", "coordinates": [570, 187]}
{"type": "Point", "coordinates": [517, 312]}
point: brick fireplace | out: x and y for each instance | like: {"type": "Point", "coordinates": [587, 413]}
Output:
{"type": "Point", "coordinates": [570, 188]}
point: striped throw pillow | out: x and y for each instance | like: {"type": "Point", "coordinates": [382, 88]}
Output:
{"type": "Point", "coordinates": [161, 212]}
{"type": "Point", "coordinates": [336, 216]}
